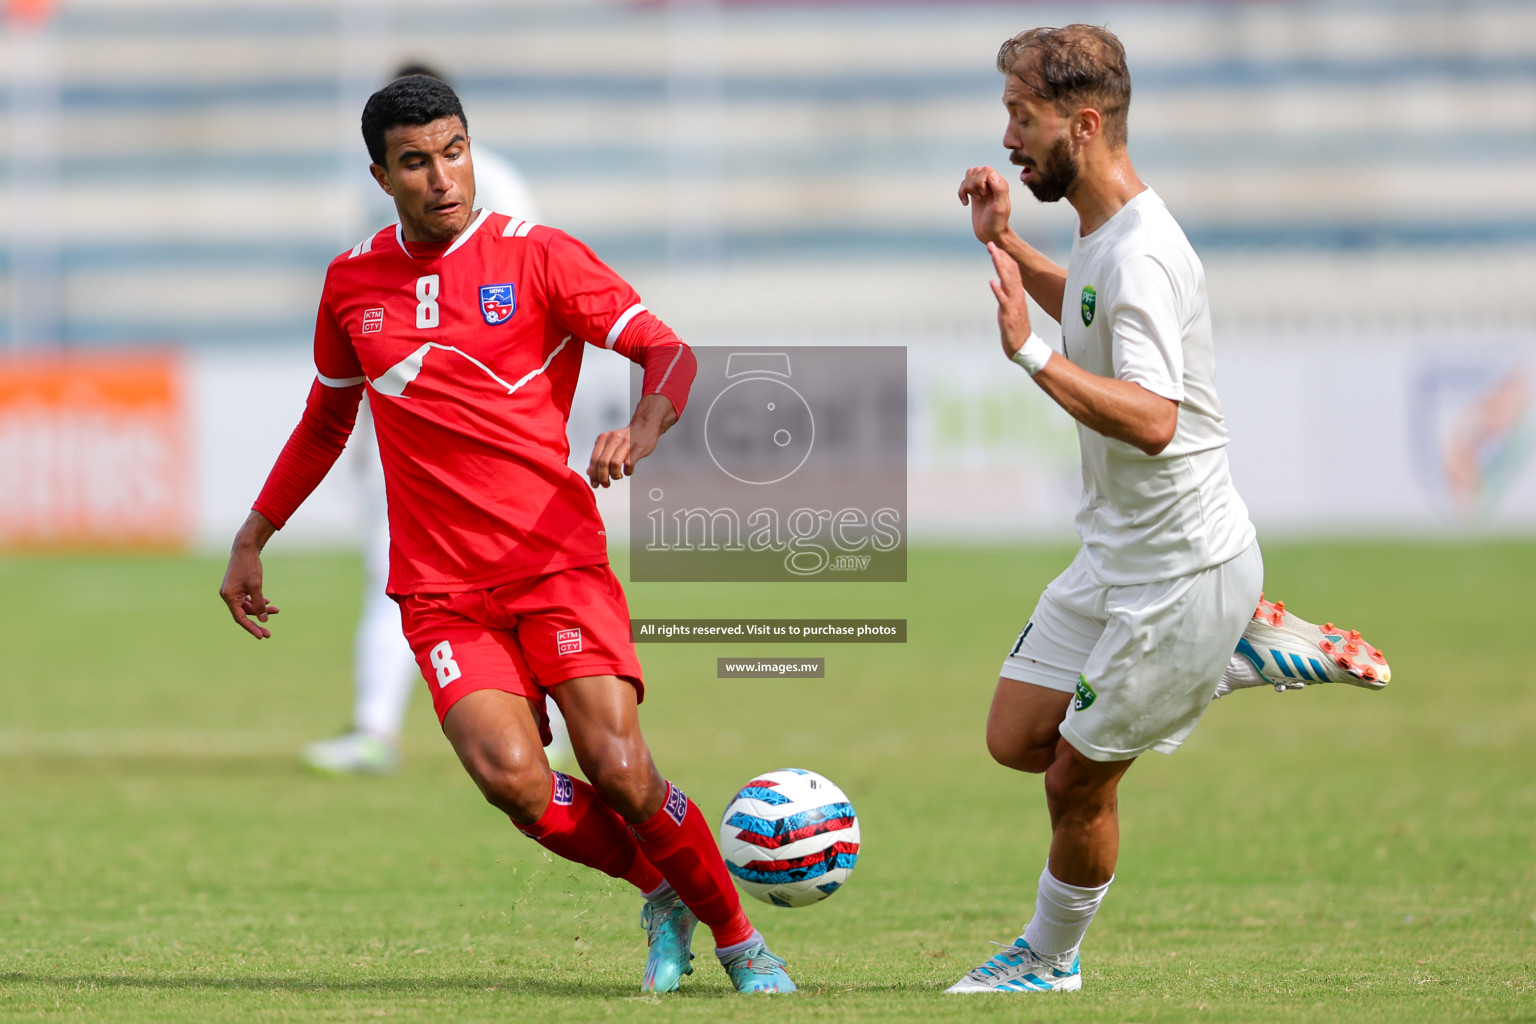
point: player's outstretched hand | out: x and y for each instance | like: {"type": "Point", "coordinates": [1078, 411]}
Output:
{"type": "Point", "coordinates": [986, 193]}
{"type": "Point", "coordinates": [241, 589]}
{"type": "Point", "coordinates": [1012, 302]}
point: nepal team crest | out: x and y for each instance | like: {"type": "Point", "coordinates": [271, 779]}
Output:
{"type": "Point", "coordinates": [497, 302]}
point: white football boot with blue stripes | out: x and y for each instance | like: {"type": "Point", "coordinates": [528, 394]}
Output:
{"type": "Point", "coordinates": [353, 753]}
{"type": "Point", "coordinates": [1017, 968]}
{"type": "Point", "coordinates": [1287, 652]}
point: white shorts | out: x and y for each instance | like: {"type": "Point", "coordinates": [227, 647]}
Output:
{"type": "Point", "coordinates": [1143, 660]}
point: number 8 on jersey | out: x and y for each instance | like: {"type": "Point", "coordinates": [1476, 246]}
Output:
{"type": "Point", "coordinates": [426, 301]}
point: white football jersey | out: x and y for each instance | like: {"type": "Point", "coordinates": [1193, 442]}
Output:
{"type": "Point", "coordinates": [1135, 308]}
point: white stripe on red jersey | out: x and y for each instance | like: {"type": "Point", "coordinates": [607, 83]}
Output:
{"type": "Point", "coordinates": [621, 323]}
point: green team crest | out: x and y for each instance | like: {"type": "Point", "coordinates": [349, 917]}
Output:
{"type": "Point", "coordinates": [1085, 695]}
{"type": "Point", "coordinates": [1090, 303]}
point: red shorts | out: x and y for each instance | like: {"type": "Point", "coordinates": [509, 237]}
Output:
{"type": "Point", "coordinates": [523, 637]}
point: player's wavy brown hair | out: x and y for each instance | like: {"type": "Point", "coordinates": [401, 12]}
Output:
{"type": "Point", "coordinates": [1075, 65]}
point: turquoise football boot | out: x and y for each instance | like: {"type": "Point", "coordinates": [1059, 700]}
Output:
{"type": "Point", "coordinates": [754, 969]}
{"type": "Point", "coordinates": [669, 928]}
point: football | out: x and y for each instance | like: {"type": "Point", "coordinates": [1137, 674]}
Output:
{"type": "Point", "coordinates": [790, 838]}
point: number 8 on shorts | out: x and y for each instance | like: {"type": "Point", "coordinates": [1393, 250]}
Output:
{"type": "Point", "coordinates": [442, 661]}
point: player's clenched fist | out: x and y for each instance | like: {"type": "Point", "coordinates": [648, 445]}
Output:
{"type": "Point", "coordinates": [986, 193]}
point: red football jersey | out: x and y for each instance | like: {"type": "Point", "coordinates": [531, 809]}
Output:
{"type": "Point", "coordinates": [470, 352]}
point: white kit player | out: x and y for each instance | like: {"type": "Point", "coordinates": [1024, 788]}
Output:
{"type": "Point", "coordinates": [384, 672]}
{"type": "Point", "coordinates": [1126, 648]}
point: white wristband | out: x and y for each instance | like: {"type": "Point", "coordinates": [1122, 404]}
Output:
{"type": "Point", "coordinates": [1034, 354]}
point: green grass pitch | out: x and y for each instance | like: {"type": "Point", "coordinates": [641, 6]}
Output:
{"type": "Point", "coordinates": [1328, 855]}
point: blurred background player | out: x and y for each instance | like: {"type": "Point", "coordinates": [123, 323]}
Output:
{"type": "Point", "coordinates": [384, 671]}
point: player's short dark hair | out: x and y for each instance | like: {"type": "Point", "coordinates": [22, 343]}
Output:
{"type": "Point", "coordinates": [412, 100]}
{"type": "Point", "coordinates": [1074, 65]}
{"type": "Point", "coordinates": [416, 67]}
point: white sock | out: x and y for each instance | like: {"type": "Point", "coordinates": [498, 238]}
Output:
{"type": "Point", "coordinates": [1240, 673]}
{"type": "Point", "coordinates": [1062, 915]}
{"type": "Point", "coordinates": [661, 892]}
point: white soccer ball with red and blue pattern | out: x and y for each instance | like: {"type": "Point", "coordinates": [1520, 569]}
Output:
{"type": "Point", "coordinates": [790, 838]}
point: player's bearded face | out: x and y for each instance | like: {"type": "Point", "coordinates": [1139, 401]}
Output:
{"type": "Point", "coordinates": [1053, 173]}
{"type": "Point", "coordinates": [1037, 140]}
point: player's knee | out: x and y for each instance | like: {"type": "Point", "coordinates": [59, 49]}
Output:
{"type": "Point", "coordinates": [625, 778]}
{"type": "Point", "coordinates": [518, 785]}
{"type": "Point", "coordinates": [1023, 753]}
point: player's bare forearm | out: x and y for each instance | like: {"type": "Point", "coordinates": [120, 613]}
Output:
{"type": "Point", "coordinates": [241, 589]}
{"type": "Point", "coordinates": [654, 413]}
{"type": "Point", "coordinates": [1045, 282]}
{"type": "Point", "coordinates": [1115, 408]}
{"type": "Point", "coordinates": [616, 452]}
{"type": "Point", "coordinates": [1120, 409]}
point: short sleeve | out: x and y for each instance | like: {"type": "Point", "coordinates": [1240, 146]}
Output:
{"type": "Point", "coordinates": [1148, 341]}
{"type": "Point", "coordinates": [336, 361]}
{"type": "Point", "coordinates": [586, 296]}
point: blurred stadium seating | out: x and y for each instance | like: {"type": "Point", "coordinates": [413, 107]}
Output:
{"type": "Point", "coordinates": [1364, 161]}
{"type": "Point", "coordinates": [1357, 175]}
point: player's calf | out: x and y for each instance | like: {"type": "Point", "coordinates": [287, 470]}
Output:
{"type": "Point", "coordinates": [1082, 797]}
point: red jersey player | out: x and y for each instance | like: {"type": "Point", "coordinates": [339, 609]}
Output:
{"type": "Point", "coordinates": [467, 328]}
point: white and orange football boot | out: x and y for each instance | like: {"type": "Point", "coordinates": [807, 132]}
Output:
{"type": "Point", "coordinates": [1287, 652]}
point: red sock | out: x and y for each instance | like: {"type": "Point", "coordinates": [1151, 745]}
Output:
{"type": "Point", "coordinates": [678, 841]}
{"type": "Point", "coordinates": [580, 827]}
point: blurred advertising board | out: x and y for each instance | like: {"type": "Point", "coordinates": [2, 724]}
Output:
{"type": "Point", "coordinates": [1408, 436]}
{"type": "Point", "coordinates": [94, 451]}
{"type": "Point", "coordinates": [1412, 435]}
